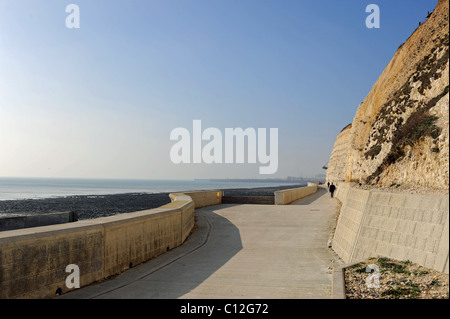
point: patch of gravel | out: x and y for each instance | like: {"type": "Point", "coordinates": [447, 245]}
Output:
{"type": "Point", "coordinates": [396, 280]}
{"type": "Point", "coordinates": [87, 206]}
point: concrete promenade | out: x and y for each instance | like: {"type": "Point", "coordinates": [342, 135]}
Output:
{"type": "Point", "coordinates": [239, 251]}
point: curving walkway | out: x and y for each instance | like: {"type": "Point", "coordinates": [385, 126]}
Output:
{"type": "Point", "coordinates": [239, 251]}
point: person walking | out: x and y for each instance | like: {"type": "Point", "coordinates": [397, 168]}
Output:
{"type": "Point", "coordinates": [332, 189]}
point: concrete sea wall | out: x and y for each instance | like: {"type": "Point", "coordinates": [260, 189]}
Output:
{"type": "Point", "coordinates": [206, 198]}
{"type": "Point", "coordinates": [397, 225]}
{"type": "Point", "coordinates": [33, 261]}
{"type": "Point", "coordinates": [287, 196]}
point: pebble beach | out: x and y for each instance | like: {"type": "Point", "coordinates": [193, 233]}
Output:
{"type": "Point", "coordinates": [95, 206]}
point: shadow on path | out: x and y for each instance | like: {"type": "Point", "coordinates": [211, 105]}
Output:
{"type": "Point", "coordinates": [213, 242]}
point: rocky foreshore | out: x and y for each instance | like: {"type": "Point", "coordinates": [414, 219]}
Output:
{"type": "Point", "coordinates": [94, 206]}
{"type": "Point", "coordinates": [394, 280]}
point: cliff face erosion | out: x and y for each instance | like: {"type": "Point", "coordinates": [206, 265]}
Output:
{"type": "Point", "coordinates": [400, 133]}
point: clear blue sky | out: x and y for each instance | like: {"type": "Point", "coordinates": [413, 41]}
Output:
{"type": "Point", "coordinates": [100, 101]}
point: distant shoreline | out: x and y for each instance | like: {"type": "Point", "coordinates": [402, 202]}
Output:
{"type": "Point", "coordinates": [95, 206]}
{"type": "Point", "coordinates": [268, 180]}
{"type": "Point", "coordinates": [43, 188]}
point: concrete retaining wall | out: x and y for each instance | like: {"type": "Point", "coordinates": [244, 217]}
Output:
{"type": "Point", "coordinates": [287, 196]}
{"type": "Point", "coordinates": [33, 261]}
{"type": "Point", "coordinates": [341, 191]}
{"type": "Point", "coordinates": [396, 225]}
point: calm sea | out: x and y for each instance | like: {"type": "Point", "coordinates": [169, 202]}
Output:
{"type": "Point", "coordinates": [29, 188]}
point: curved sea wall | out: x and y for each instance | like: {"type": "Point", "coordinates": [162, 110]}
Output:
{"type": "Point", "coordinates": [287, 196]}
{"type": "Point", "coordinates": [33, 261]}
{"type": "Point", "coordinates": [205, 198]}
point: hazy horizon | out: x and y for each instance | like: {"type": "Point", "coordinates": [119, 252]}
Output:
{"type": "Point", "coordinates": [100, 102]}
{"type": "Point", "coordinates": [260, 177]}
